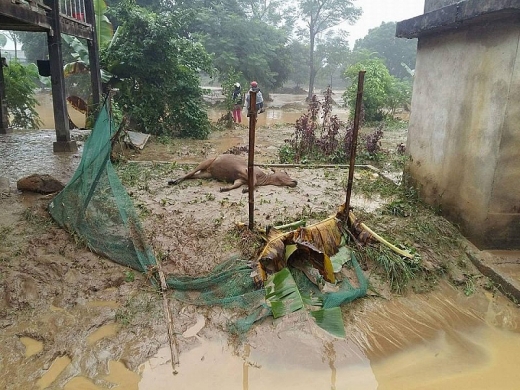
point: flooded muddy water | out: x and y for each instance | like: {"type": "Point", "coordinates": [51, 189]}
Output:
{"type": "Point", "coordinates": [442, 340]}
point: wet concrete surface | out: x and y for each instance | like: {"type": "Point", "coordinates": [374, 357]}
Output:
{"type": "Point", "coordinates": [25, 152]}
{"type": "Point", "coordinates": [501, 266]}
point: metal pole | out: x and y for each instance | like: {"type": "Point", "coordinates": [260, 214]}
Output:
{"type": "Point", "coordinates": [357, 114]}
{"type": "Point", "coordinates": [251, 157]}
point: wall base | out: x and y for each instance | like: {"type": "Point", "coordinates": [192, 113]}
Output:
{"type": "Point", "coordinates": [65, 146]}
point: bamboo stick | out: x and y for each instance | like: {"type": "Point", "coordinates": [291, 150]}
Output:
{"type": "Point", "coordinates": [169, 319]}
{"type": "Point", "coordinates": [399, 251]}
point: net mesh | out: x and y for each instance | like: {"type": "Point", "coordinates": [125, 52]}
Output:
{"type": "Point", "coordinates": [95, 206]}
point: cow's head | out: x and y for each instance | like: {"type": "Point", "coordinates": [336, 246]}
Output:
{"type": "Point", "coordinates": [281, 178]}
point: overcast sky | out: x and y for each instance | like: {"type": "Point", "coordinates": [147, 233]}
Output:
{"type": "Point", "coordinates": [377, 11]}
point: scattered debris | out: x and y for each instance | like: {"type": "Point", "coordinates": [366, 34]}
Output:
{"type": "Point", "coordinates": [135, 139]}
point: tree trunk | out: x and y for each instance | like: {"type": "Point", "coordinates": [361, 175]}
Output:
{"type": "Point", "coordinates": [312, 72]}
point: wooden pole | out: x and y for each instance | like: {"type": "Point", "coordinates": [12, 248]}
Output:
{"type": "Point", "coordinates": [357, 114]}
{"type": "Point", "coordinates": [63, 143]}
{"type": "Point", "coordinates": [251, 157]}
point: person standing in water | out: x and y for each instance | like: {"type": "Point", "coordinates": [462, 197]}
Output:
{"type": "Point", "coordinates": [237, 104]}
{"type": "Point", "coordinates": [259, 98]}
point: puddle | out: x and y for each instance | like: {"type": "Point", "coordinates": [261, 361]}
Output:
{"type": "Point", "coordinates": [102, 332]}
{"type": "Point", "coordinates": [119, 377]}
{"type": "Point", "coordinates": [288, 363]}
{"type": "Point", "coordinates": [484, 358]}
{"type": "Point", "coordinates": [32, 346]}
{"type": "Point", "coordinates": [53, 372]}
{"type": "Point", "coordinates": [122, 376]}
{"type": "Point", "coordinates": [80, 383]}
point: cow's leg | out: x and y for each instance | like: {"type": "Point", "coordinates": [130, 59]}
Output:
{"type": "Point", "coordinates": [246, 188]}
{"type": "Point", "coordinates": [201, 175]}
{"type": "Point", "coordinates": [237, 183]}
{"type": "Point", "coordinates": [203, 166]}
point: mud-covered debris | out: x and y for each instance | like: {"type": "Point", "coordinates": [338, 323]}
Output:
{"type": "Point", "coordinates": [43, 184]}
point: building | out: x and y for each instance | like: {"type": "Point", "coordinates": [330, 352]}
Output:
{"type": "Point", "coordinates": [464, 131]}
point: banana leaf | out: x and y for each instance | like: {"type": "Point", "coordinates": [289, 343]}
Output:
{"type": "Point", "coordinates": [283, 297]}
{"type": "Point", "coordinates": [330, 320]}
{"type": "Point", "coordinates": [340, 258]}
{"type": "Point", "coordinates": [282, 294]}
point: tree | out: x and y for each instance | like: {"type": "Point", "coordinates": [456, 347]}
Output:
{"type": "Point", "coordinates": [34, 45]}
{"type": "Point", "coordinates": [395, 51]}
{"type": "Point", "coordinates": [158, 66]}
{"type": "Point", "coordinates": [19, 89]}
{"type": "Point", "coordinates": [377, 86]}
{"type": "Point", "coordinates": [235, 40]}
{"type": "Point", "coordinates": [277, 13]}
{"type": "Point", "coordinates": [335, 52]}
{"type": "Point", "coordinates": [320, 16]}
{"type": "Point", "coordinates": [299, 66]}
{"type": "Point", "coordinates": [399, 94]}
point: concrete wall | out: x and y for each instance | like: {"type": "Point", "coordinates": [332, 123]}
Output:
{"type": "Point", "coordinates": [430, 5]}
{"type": "Point", "coordinates": [464, 134]}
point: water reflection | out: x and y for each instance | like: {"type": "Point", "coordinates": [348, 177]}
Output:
{"type": "Point", "coordinates": [273, 116]}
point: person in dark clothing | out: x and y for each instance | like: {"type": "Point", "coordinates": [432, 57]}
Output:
{"type": "Point", "coordinates": [237, 104]}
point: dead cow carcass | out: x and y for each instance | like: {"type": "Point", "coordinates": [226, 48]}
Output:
{"type": "Point", "coordinates": [233, 169]}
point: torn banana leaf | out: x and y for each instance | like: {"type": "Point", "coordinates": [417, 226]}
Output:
{"type": "Point", "coordinates": [314, 263]}
{"type": "Point", "coordinates": [330, 320]}
{"type": "Point", "coordinates": [340, 258]}
{"type": "Point", "coordinates": [282, 294]}
{"type": "Point", "coordinates": [325, 235]}
{"type": "Point", "coordinates": [318, 242]}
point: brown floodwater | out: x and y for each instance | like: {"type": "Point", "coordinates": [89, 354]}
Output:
{"type": "Point", "coordinates": [443, 340]}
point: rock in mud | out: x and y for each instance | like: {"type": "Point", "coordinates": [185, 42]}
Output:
{"type": "Point", "coordinates": [43, 184]}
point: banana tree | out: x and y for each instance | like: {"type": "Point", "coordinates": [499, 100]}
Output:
{"type": "Point", "coordinates": [80, 54]}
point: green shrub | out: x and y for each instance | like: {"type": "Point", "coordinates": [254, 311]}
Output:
{"type": "Point", "coordinates": [20, 84]}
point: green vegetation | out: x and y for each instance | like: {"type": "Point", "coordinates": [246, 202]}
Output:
{"type": "Point", "coordinates": [375, 90]}
{"type": "Point", "coordinates": [158, 67]}
{"type": "Point", "coordinates": [141, 308]}
{"type": "Point", "coordinates": [320, 136]}
{"type": "Point", "coordinates": [20, 84]}
{"type": "Point", "coordinates": [392, 50]}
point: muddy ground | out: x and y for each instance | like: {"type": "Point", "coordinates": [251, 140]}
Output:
{"type": "Point", "coordinates": [70, 319]}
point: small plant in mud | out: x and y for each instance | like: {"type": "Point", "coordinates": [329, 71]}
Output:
{"type": "Point", "coordinates": [469, 285]}
{"type": "Point", "coordinates": [129, 276]}
{"type": "Point", "coordinates": [399, 271]}
{"type": "Point", "coordinates": [372, 141]}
